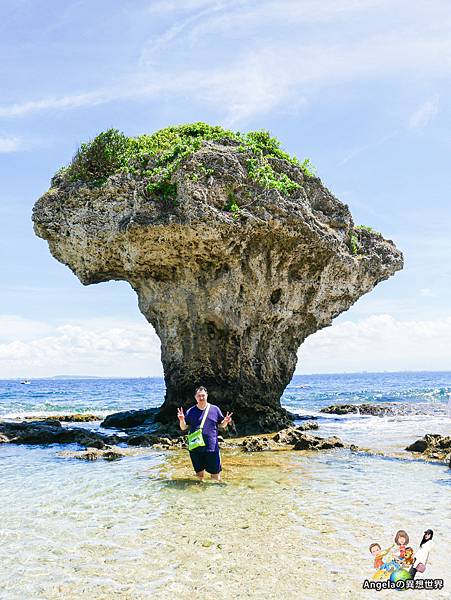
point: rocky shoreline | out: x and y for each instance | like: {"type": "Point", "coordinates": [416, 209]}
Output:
{"type": "Point", "coordinates": [375, 410]}
{"type": "Point", "coordinates": [74, 417]}
{"type": "Point", "coordinates": [139, 429]}
{"type": "Point", "coordinates": [50, 431]}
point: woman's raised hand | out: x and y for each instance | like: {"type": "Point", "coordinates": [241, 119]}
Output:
{"type": "Point", "coordinates": [180, 415]}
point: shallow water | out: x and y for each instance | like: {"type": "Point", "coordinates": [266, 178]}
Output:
{"type": "Point", "coordinates": [281, 525]}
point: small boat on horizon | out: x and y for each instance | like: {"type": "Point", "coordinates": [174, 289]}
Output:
{"type": "Point", "coordinates": [25, 382]}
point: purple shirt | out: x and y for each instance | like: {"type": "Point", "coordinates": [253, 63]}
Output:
{"type": "Point", "coordinates": [193, 418]}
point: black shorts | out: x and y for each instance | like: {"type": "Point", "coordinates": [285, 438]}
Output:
{"type": "Point", "coordinates": [208, 461]}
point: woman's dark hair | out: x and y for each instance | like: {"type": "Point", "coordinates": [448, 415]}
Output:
{"type": "Point", "coordinates": [429, 533]}
{"type": "Point", "coordinates": [201, 389]}
{"type": "Point", "coordinates": [401, 533]}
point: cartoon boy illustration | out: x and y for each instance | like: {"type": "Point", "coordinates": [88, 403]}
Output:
{"type": "Point", "coordinates": [401, 539]}
{"type": "Point", "coordinates": [382, 569]}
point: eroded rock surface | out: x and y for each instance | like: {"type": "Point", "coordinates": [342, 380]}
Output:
{"type": "Point", "coordinates": [292, 434]}
{"type": "Point", "coordinates": [256, 444]}
{"type": "Point", "coordinates": [313, 442]}
{"type": "Point", "coordinates": [93, 453]}
{"type": "Point", "coordinates": [130, 418]}
{"type": "Point", "coordinates": [433, 445]}
{"type": "Point", "coordinates": [295, 438]}
{"type": "Point", "coordinates": [50, 432]}
{"type": "Point", "coordinates": [231, 295]}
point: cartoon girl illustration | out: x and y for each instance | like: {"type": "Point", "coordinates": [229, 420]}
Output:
{"type": "Point", "coordinates": [401, 539]}
{"type": "Point", "coordinates": [422, 554]}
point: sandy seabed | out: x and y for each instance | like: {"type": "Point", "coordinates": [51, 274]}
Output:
{"type": "Point", "coordinates": [280, 525]}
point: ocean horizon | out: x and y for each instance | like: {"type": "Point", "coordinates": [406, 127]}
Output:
{"type": "Point", "coordinates": [119, 527]}
{"type": "Point", "coordinates": [319, 374]}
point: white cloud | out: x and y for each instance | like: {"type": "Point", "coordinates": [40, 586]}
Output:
{"type": "Point", "coordinates": [258, 10]}
{"type": "Point", "coordinates": [55, 103]}
{"type": "Point", "coordinates": [10, 144]}
{"type": "Point", "coordinates": [378, 142]}
{"type": "Point", "coordinates": [424, 114]}
{"type": "Point", "coordinates": [94, 347]}
{"type": "Point", "coordinates": [113, 347]}
{"type": "Point", "coordinates": [277, 75]}
{"type": "Point", "coordinates": [167, 6]}
{"type": "Point", "coordinates": [427, 293]}
{"type": "Point", "coordinates": [13, 327]}
{"type": "Point", "coordinates": [378, 343]}
{"type": "Point", "coordinates": [243, 59]}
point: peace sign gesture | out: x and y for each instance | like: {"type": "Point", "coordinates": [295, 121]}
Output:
{"type": "Point", "coordinates": [180, 415]}
{"type": "Point", "coordinates": [227, 419]}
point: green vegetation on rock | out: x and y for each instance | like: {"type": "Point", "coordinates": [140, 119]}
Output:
{"type": "Point", "coordinates": [368, 228]}
{"type": "Point", "coordinates": [155, 157]}
{"type": "Point", "coordinates": [232, 204]}
{"type": "Point", "coordinates": [353, 244]}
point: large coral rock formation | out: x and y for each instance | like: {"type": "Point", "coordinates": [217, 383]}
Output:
{"type": "Point", "coordinates": [232, 294]}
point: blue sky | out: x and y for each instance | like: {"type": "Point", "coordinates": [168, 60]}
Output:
{"type": "Point", "coordinates": [361, 87]}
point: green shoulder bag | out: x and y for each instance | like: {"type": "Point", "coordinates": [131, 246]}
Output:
{"type": "Point", "coordinates": [196, 438]}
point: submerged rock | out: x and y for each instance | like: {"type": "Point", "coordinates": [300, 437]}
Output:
{"type": "Point", "coordinates": [74, 417]}
{"type": "Point", "coordinates": [169, 442]}
{"type": "Point", "coordinates": [129, 418]}
{"type": "Point", "coordinates": [306, 426]}
{"type": "Point", "coordinates": [93, 453]}
{"type": "Point", "coordinates": [434, 446]}
{"type": "Point", "coordinates": [256, 444]}
{"type": "Point", "coordinates": [292, 437]}
{"type": "Point", "coordinates": [314, 442]}
{"type": "Point", "coordinates": [377, 410]}
{"type": "Point", "coordinates": [292, 434]}
{"type": "Point", "coordinates": [50, 432]}
{"type": "Point", "coordinates": [363, 409]}
{"type": "Point", "coordinates": [236, 257]}
{"type": "Point", "coordinates": [141, 439]}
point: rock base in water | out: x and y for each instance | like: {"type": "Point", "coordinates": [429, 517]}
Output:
{"type": "Point", "coordinates": [267, 420]}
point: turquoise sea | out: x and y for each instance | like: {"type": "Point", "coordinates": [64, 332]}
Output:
{"type": "Point", "coordinates": [282, 524]}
